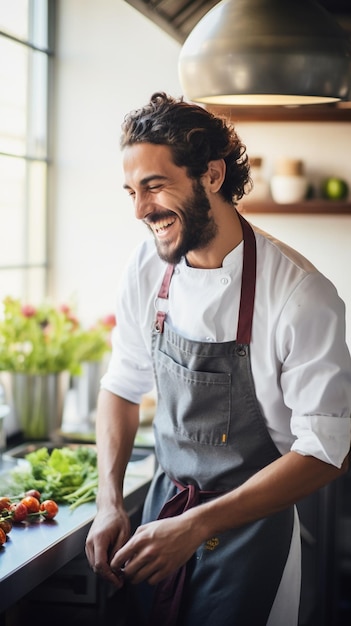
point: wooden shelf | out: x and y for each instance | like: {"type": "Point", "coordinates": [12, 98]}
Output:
{"type": "Point", "coordinates": [316, 207]}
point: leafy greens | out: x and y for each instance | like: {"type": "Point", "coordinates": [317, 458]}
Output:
{"type": "Point", "coordinates": [66, 475]}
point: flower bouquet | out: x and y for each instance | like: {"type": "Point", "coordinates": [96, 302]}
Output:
{"type": "Point", "coordinates": [41, 347]}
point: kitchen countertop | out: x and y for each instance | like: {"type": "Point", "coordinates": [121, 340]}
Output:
{"type": "Point", "coordinates": [34, 551]}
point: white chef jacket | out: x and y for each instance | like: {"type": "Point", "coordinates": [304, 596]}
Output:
{"type": "Point", "coordinates": [300, 361]}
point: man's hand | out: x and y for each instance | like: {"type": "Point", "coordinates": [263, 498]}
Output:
{"type": "Point", "coordinates": [156, 550]}
{"type": "Point", "coordinates": [109, 532]}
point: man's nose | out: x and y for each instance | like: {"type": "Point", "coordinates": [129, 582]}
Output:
{"type": "Point", "coordinates": [141, 205]}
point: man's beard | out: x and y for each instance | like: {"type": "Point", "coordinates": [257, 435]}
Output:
{"type": "Point", "coordinates": [198, 229]}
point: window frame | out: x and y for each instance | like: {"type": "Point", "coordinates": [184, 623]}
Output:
{"type": "Point", "coordinates": [31, 274]}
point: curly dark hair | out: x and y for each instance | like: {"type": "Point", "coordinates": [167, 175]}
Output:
{"type": "Point", "coordinates": [195, 137]}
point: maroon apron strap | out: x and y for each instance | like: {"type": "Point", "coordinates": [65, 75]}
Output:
{"type": "Point", "coordinates": [248, 284]}
{"type": "Point", "coordinates": [163, 294]}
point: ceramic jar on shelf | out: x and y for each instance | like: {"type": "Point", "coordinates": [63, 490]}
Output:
{"type": "Point", "coordinates": [260, 190]}
{"type": "Point", "coordinates": [289, 184]}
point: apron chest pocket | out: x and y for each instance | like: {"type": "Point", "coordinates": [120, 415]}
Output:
{"type": "Point", "coordinates": [195, 404]}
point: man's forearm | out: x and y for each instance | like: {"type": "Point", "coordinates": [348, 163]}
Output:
{"type": "Point", "coordinates": [116, 425]}
{"type": "Point", "coordinates": [279, 485]}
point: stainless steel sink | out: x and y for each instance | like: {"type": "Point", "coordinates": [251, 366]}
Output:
{"type": "Point", "coordinates": [20, 451]}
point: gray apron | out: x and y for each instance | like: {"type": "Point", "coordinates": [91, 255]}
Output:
{"type": "Point", "coordinates": [210, 437]}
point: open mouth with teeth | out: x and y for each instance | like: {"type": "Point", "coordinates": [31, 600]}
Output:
{"type": "Point", "coordinates": [161, 226]}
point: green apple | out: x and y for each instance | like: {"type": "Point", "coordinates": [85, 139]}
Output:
{"type": "Point", "coordinates": [334, 188]}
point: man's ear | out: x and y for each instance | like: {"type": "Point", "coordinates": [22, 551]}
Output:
{"type": "Point", "coordinates": [215, 175]}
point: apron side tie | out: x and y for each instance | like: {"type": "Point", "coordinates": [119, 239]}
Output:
{"type": "Point", "coordinates": [168, 593]}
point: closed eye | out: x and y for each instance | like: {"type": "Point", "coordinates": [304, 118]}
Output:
{"type": "Point", "coordinates": [154, 187]}
{"type": "Point", "coordinates": [150, 184]}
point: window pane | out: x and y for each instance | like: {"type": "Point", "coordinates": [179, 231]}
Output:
{"type": "Point", "coordinates": [23, 125]}
{"type": "Point", "coordinates": [12, 217]}
{"type": "Point", "coordinates": [14, 17]}
{"type": "Point", "coordinates": [29, 286]}
{"type": "Point", "coordinates": [13, 92]}
{"type": "Point", "coordinates": [22, 212]}
{"type": "Point", "coordinates": [26, 20]}
{"type": "Point", "coordinates": [23, 144]}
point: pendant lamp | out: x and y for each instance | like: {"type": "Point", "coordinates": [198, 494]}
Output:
{"type": "Point", "coordinates": [266, 52]}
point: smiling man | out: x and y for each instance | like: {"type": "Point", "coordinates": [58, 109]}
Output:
{"type": "Point", "coordinates": [188, 223]}
{"type": "Point", "coordinates": [245, 341]}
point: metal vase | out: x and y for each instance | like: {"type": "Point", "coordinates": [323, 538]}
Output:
{"type": "Point", "coordinates": [86, 388]}
{"type": "Point", "coordinates": [38, 402]}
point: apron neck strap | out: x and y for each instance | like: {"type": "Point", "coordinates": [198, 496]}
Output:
{"type": "Point", "coordinates": [248, 284]}
{"type": "Point", "coordinates": [163, 294]}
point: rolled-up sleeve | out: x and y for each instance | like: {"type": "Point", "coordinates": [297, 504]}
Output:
{"type": "Point", "coordinates": [316, 370]}
{"type": "Point", "coordinates": [324, 437]}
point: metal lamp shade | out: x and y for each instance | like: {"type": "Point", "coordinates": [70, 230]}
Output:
{"type": "Point", "coordinates": [256, 52]}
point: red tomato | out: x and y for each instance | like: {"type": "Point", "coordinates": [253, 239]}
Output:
{"type": "Point", "coordinates": [4, 503]}
{"type": "Point", "coordinates": [32, 504]}
{"type": "Point", "coordinates": [19, 511]}
{"type": "Point", "coordinates": [2, 537]}
{"type": "Point", "coordinates": [49, 508]}
{"type": "Point", "coordinates": [6, 525]}
{"type": "Point", "coordinates": [33, 492]}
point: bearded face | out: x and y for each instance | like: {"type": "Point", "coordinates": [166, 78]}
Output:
{"type": "Point", "coordinates": [198, 227]}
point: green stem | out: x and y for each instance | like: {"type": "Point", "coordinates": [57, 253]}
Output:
{"type": "Point", "coordinates": [82, 490]}
{"type": "Point", "coordinates": [88, 497]}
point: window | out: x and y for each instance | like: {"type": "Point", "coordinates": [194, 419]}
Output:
{"type": "Point", "coordinates": [25, 60]}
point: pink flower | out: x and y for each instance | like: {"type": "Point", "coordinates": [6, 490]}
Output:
{"type": "Point", "coordinates": [109, 320]}
{"type": "Point", "coordinates": [65, 308]}
{"type": "Point", "coordinates": [28, 310]}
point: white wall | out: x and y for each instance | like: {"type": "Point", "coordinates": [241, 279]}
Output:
{"type": "Point", "coordinates": [110, 59]}
{"type": "Point", "coordinates": [325, 149]}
